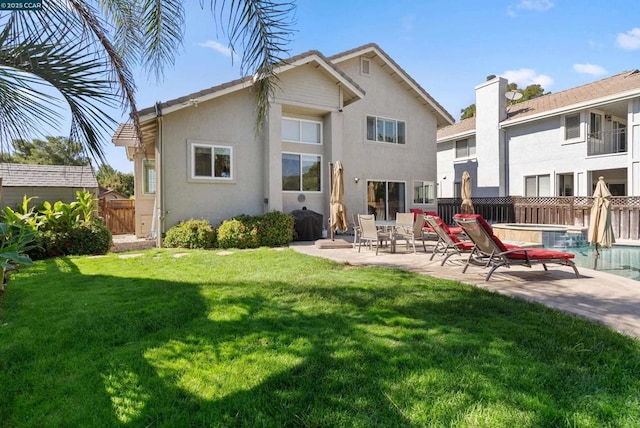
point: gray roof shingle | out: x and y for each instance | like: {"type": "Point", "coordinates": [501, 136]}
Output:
{"type": "Point", "coordinates": [27, 175]}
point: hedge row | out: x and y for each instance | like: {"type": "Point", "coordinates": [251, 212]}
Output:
{"type": "Point", "coordinates": [272, 229]}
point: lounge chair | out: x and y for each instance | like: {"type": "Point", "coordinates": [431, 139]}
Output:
{"type": "Point", "coordinates": [492, 252]}
{"type": "Point", "coordinates": [451, 230]}
{"type": "Point", "coordinates": [448, 243]}
{"type": "Point", "coordinates": [369, 233]}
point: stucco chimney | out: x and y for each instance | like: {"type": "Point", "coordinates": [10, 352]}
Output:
{"type": "Point", "coordinates": [491, 107]}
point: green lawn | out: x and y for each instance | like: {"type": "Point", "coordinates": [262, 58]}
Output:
{"type": "Point", "coordinates": [275, 338]}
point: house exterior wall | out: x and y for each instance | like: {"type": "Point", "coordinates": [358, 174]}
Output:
{"type": "Point", "coordinates": [538, 148]}
{"type": "Point", "coordinates": [226, 121]}
{"type": "Point", "coordinates": [369, 160]}
{"type": "Point", "coordinates": [306, 92]}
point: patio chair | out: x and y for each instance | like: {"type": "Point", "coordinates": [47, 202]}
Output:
{"type": "Point", "coordinates": [492, 252]}
{"type": "Point", "coordinates": [409, 230]}
{"type": "Point", "coordinates": [356, 228]}
{"type": "Point", "coordinates": [448, 244]}
{"type": "Point", "coordinates": [370, 233]}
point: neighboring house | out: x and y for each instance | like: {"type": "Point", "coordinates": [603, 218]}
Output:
{"type": "Point", "coordinates": [201, 157]}
{"type": "Point", "coordinates": [554, 145]}
{"type": "Point", "coordinates": [44, 182]}
{"type": "Point", "coordinates": [110, 195]}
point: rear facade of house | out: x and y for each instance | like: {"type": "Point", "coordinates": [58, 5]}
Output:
{"type": "Point", "coordinates": [201, 156]}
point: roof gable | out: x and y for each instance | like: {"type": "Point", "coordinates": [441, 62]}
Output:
{"type": "Point", "coordinates": [352, 92]}
{"type": "Point", "coordinates": [29, 175]}
{"type": "Point", "coordinates": [372, 50]}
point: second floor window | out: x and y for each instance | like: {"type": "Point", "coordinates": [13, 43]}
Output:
{"type": "Point", "coordinates": [301, 131]}
{"type": "Point", "coordinates": [572, 126]}
{"type": "Point", "coordinates": [386, 130]}
{"type": "Point", "coordinates": [465, 148]}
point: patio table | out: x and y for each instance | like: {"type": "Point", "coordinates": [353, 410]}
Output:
{"type": "Point", "coordinates": [388, 226]}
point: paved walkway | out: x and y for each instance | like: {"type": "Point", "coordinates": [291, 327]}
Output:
{"type": "Point", "coordinates": [601, 297]}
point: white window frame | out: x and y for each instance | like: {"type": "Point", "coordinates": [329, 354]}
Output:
{"type": "Point", "coordinates": [389, 120]}
{"type": "Point", "coordinates": [428, 188]}
{"type": "Point", "coordinates": [300, 128]}
{"type": "Point", "coordinates": [580, 136]}
{"type": "Point", "coordinates": [468, 148]}
{"type": "Point", "coordinates": [149, 165]}
{"type": "Point", "coordinates": [537, 185]}
{"type": "Point", "coordinates": [373, 205]}
{"type": "Point", "coordinates": [301, 155]}
{"type": "Point", "coordinates": [192, 144]}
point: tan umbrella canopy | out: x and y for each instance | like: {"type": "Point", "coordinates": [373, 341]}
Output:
{"type": "Point", "coordinates": [467, 205]}
{"type": "Point", "coordinates": [600, 228]}
{"type": "Point", "coordinates": [339, 219]}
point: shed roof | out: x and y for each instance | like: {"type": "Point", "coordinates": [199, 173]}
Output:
{"type": "Point", "coordinates": [28, 175]}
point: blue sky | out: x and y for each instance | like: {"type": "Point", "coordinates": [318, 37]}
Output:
{"type": "Point", "coordinates": [448, 47]}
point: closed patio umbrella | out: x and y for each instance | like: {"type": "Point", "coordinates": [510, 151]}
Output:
{"type": "Point", "coordinates": [467, 205]}
{"type": "Point", "coordinates": [338, 210]}
{"type": "Point", "coordinates": [600, 228]}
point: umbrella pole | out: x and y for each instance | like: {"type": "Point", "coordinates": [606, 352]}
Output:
{"type": "Point", "coordinates": [596, 254]}
{"type": "Point", "coordinates": [331, 188]}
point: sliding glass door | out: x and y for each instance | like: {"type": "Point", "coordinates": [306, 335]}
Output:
{"type": "Point", "coordinates": [386, 198]}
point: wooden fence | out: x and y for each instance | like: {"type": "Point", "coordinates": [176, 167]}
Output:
{"type": "Point", "coordinates": [119, 215]}
{"type": "Point", "coordinates": [561, 210]}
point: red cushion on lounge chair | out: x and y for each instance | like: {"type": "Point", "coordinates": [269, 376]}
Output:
{"type": "Point", "coordinates": [540, 254]}
{"type": "Point", "coordinates": [482, 222]}
{"type": "Point", "coordinates": [464, 245]}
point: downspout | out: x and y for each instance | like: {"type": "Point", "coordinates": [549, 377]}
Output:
{"type": "Point", "coordinates": [160, 213]}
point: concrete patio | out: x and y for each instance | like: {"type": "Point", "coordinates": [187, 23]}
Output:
{"type": "Point", "coordinates": [604, 298]}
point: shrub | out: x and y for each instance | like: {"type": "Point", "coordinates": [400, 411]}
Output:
{"type": "Point", "coordinates": [81, 239]}
{"type": "Point", "coordinates": [191, 234]}
{"type": "Point", "coordinates": [275, 229]}
{"type": "Point", "coordinates": [238, 232]}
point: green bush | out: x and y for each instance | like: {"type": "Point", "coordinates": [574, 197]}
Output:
{"type": "Point", "coordinates": [191, 234]}
{"type": "Point", "coordinates": [80, 239]}
{"type": "Point", "coordinates": [238, 232]}
{"type": "Point", "coordinates": [275, 229]}
{"type": "Point", "coordinates": [272, 229]}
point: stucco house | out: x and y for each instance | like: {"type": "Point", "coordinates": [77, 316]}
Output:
{"type": "Point", "coordinates": [554, 145]}
{"type": "Point", "coordinates": [200, 156]}
{"type": "Point", "coordinates": [44, 182]}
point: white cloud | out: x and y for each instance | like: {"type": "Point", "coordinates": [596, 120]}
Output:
{"type": "Point", "coordinates": [216, 46]}
{"type": "Point", "coordinates": [592, 69]}
{"type": "Point", "coordinates": [534, 5]}
{"type": "Point", "coordinates": [629, 40]}
{"type": "Point", "coordinates": [526, 76]}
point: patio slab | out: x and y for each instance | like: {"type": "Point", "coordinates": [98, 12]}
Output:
{"type": "Point", "coordinates": [601, 297]}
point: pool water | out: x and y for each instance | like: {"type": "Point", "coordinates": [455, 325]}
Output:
{"type": "Point", "coordinates": [619, 260]}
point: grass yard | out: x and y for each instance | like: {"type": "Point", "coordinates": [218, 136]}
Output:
{"type": "Point", "coordinates": [274, 338]}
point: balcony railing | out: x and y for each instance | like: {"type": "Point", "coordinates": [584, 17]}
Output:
{"type": "Point", "coordinates": [606, 142]}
